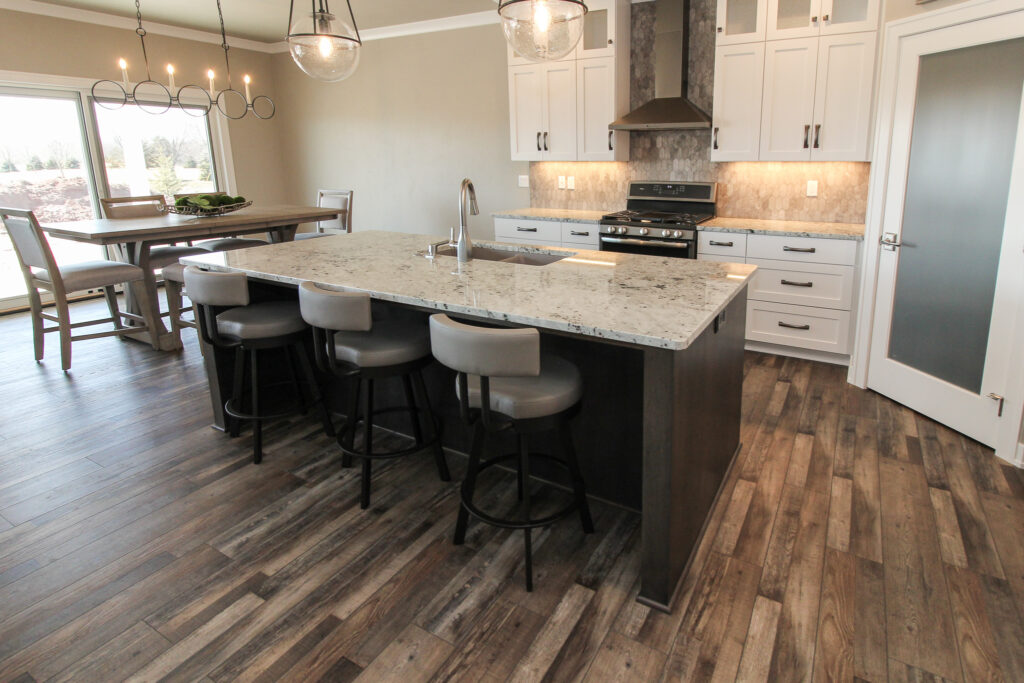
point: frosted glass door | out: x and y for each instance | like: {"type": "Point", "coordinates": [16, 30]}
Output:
{"type": "Point", "coordinates": [741, 21]}
{"type": "Point", "coordinates": [793, 19]}
{"type": "Point", "coordinates": [949, 278]}
{"type": "Point", "coordinates": [848, 16]}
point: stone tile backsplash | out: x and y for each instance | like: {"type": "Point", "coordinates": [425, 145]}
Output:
{"type": "Point", "coordinates": [770, 190]}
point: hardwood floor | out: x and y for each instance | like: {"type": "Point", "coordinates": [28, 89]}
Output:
{"type": "Point", "coordinates": [854, 539]}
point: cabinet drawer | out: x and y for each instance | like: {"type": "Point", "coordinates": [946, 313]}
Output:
{"type": "Point", "coordinates": [723, 243]}
{"type": "Point", "coordinates": [805, 249]}
{"type": "Point", "coordinates": [529, 230]}
{"type": "Point", "coordinates": [527, 240]}
{"type": "Point", "coordinates": [807, 284]}
{"type": "Point", "coordinates": [721, 259]}
{"type": "Point", "coordinates": [582, 234]}
{"type": "Point", "coordinates": [820, 329]}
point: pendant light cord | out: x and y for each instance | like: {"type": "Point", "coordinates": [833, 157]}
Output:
{"type": "Point", "coordinates": [142, 37]}
{"type": "Point", "coordinates": [224, 42]}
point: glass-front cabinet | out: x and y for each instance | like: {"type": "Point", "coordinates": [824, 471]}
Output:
{"type": "Point", "coordinates": [810, 18]}
{"type": "Point", "coordinates": [741, 21]}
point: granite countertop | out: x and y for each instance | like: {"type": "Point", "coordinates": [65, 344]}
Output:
{"type": "Point", "coordinates": [644, 300]}
{"type": "Point", "coordinates": [564, 215]}
{"type": "Point", "coordinates": [757, 226]}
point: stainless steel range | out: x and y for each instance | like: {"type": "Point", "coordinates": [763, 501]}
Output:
{"type": "Point", "coordinates": [660, 219]}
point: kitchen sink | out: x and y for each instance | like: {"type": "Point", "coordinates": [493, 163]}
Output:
{"type": "Point", "coordinates": [525, 258]}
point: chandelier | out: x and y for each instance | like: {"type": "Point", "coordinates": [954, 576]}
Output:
{"type": "Point", "coordinates": [156, 98]}
{"type": "Point", "coordinates": [323, 45]}
{"type": "Point", "coordinates": [542, 30]}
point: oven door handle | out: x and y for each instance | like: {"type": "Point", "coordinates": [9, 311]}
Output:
{"type": "Point", "coordinates": [646, 243]}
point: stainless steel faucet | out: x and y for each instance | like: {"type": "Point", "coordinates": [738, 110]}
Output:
{"type": "Point", "coordinates": [465, 245]}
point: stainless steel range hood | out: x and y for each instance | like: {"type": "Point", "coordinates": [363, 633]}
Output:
{"type": "Point", "coordinates": [669, 110]}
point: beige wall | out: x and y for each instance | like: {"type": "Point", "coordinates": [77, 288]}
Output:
{"type": "Point", "coordinates": [36, 44]}
{"type": "Point", "coordinates": [419, 114]}
{"type": "Point", "coordinates": [898, 9]}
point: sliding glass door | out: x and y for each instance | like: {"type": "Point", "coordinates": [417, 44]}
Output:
{"type": "Point", "coordinates": [45, 166]}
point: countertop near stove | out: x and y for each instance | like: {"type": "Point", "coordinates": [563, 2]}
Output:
{"type": "Point", "coordinates": [756, 226]}
{"type": "Point", "coordinates": [642, 300]}
{"type": "Point", "coordinates": [561, 215]}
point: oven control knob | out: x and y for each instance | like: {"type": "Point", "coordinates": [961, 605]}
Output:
{"type": "Point", "coordinates": [610, 229]}
{"type": "Point", "coordinates": [623, 230]}
{"type": "Point", "coordinates": [666, 233]}
{"type": "Point", "coordinates": [644, 231]}
{"type": "Point", "coordinates": [677, 233]}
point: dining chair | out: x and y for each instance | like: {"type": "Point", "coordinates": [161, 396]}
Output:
{"type": "Point", "coordinates": [41, 272]}
{"type": "Point", "coordinates": [118, 208]}
{"type": "Point", "coordinates": [224, 243]}
{"type": "Point", "coordinates": [333, 199]}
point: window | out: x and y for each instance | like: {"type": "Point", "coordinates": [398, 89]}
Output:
{"type": "Point", "coordinates": [44, 166]}
{"type": "Point", "coordinates": [166, 154]}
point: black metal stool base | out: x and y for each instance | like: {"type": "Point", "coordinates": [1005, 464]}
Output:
{"type": "Point", "coordinates": [523, 458]}
{"type": "Point", "coordinates": [413, 381]}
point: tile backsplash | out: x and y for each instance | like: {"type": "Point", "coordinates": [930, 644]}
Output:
{"type": "Point", "coordinates": [770, 190]}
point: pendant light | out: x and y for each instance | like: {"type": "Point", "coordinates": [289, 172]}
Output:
{"type": "Point", "coordinates": [324, 46]}
{"type": "Point", "coordinates": [542, 30]}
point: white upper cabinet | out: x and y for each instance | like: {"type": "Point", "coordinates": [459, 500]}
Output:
{"type": "Point", "coordinates": [526, 111]}
{"type": "Point", "coordinates": [741, 21]}
{"type": "Point", "coordinates": [842, 97]}
{"type": "Point", "coordinates": [559, 134]}
{"type": "Point", "coordinates": [599, 28]}
{"type": "Point", "coordinates": [809, 18]}
{"type": "Point", "coordinates": [790, 67]}
{"type": "Point", "coordinates": [736, 128]}
{"type": "Point", "coordinates": [542, 111]}
{"type": "Point", "coordinates": [597, 104]}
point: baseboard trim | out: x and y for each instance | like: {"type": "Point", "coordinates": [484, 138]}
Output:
{"type": "Point", "coordinates": [794, 352]}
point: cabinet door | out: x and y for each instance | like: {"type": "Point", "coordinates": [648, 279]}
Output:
{"type": "Point", "coordinates": [793, 19]}
{"type": "Point", "coordinates": [741, 21]}
{"type": "Point", "coordinates": [559, 132]}
{"type": "Point", "coordinates": [526, 111]}
{"type": "Point", "coordinates": [739, 70]}
{"type": "Point", "coordinates": [848, 16]}
{"type": "Point", "coordinates": [842, 97]}
{"type": "Point", "coordinates": [599, 26]}
{"type": "Point", "coordinates": [788, 101]}
{"type": "Point", "coordinates": [595, 109]}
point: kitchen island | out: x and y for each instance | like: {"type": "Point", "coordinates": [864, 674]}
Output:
{"type": "Point", "coordinates": [659, 343]}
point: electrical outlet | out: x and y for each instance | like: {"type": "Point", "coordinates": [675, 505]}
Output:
{"type": "Point", "coordinates": [572, 182]}
{"type": "Point", "coordinates": [812, 188]}
{"type": "Point", "coordinates": [524, 181]}
{"type": "Point", "coordinates": [561, 182]}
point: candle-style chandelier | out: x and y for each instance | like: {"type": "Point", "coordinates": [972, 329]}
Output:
{"type": "Point", "coordinates": [156, 98]}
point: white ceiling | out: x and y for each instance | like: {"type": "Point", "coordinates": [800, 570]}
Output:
{"type": "Point", "coordinates": [264, 20]}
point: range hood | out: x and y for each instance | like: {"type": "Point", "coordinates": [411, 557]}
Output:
{"type": "Point", "coordinates": [669, 110]}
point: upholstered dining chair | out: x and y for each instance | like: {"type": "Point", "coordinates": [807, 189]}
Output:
{"type": "Point", "coordinates": [118, 208]}
{"type": "Point", "coordinates": [41, 272]}
{"type": "Point", "coordinates": [334, 199]}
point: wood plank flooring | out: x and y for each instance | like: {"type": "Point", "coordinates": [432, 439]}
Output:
{"type": "Point", "coordinates": [855, 540]}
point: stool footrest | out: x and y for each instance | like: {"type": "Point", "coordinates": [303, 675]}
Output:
{"type": "Point", "coordinates": [504, 523]}
{"type": "Point", "coordinates": [387, 455]}
{"type": "Point", "coordinates": [236, 412]}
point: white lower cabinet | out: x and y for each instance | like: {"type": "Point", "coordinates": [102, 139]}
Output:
{"type": "Point", "coordinates": [547, 233]}
{"type": "Point", "coordinates": [801, 295]}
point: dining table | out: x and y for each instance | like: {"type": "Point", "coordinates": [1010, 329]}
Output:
{"type": "Point", "coordinates": [132, 238]}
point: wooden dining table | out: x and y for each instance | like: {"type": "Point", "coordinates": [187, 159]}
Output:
{"type": "Point", "coordinates": [132, 239]}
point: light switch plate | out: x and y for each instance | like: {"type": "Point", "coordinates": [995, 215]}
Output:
{"type": "Point", "coordinates": [561, 182]}
{"type": "Point", "coordinates": [572, 182]}
{"type": "Point", "coordinates": [812, 188]}
{"type": "Point", "coordinates": [524, 181]}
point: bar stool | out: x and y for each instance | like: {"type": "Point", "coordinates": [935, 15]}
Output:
{"type": "Point", "coordinates": [505, 384]}
{"type": "Point", "coordinates": [227, 320]}
{"type": "Point", "coordinates": [351, 345]}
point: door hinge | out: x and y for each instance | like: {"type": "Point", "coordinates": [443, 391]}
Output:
{"type": "Point", "coordinates": [1001, 399]}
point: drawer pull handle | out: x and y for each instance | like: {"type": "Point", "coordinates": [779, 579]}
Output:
{"type": "Point", "coordinates": [794, 327]}
{"type": "Point", "coordinates": [797, 284]}
{"type": "Point", "coordinates": [526, 229]}
{"type": "Point", "coordinates": [720, 244]}
{"type": "Point", "coordinates": [802, 250]}
{"type": "Point", "coordinates": [579, 233]}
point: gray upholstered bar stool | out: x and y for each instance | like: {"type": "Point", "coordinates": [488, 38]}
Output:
{"type": "Point", "coordinates": [351, 345]}
{"type": "Point", "coordinates": [228, 320]}
{"type": "Point", "coordinates": [505, 384]}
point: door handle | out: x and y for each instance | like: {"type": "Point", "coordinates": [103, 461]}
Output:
{"type": "Point", "coordinates": [801, 250]}
{"type": "Point", "coordinates": [545, 141]}
{"type": "Point", "coordinates": [1001, 400]}
{"type": "Point", "coordinates": [580, 233]}
{"type": "Point", "coordinates": [889, 241]}
{"type": "Point", "coordinates": [817, 135]}
{"type": "Point", "coordinates": [611, 134]}
{"type": "Point", "coordinates": [794, 327]}
{"type": "Point", "coordinates": [538, 141]}
{"type": "Point", "coordinates": [807, 136]}
{"type": "Point", "coordinates": [824, 17]}
{"type": "Point", "coordinates": [518, 229]}
{"type": "Point", "coordinates": [797, 284]}
{"type": "Point", "coordinates": [714, 138]}
{"type": "Point", "coordinates": [720, 244]}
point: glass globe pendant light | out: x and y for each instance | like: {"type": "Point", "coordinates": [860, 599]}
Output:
{"type": "Point", "coordinates": [324, 46]}
{"type": "Point", "coordinates": [542, 30]}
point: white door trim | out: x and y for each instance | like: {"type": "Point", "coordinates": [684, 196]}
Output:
{"type": "Point", "coordinates": [894, 32]}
